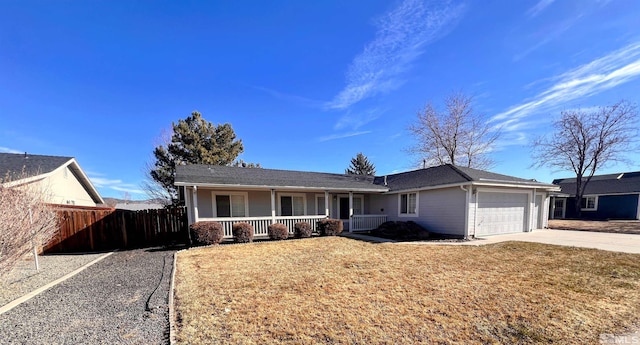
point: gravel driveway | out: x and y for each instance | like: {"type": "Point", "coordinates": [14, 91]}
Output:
{"type": "Point", "coordinates": [120, 300]}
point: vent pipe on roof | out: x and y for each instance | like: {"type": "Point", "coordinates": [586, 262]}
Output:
{"type": "Point", "coordinates": [424, 164]}
{"type": "Point", "coordinates": [385, 180]}
{"type": "Point", "coordinates": [619, 176]}
{"type": "Point", "coordinates": [26, 156]}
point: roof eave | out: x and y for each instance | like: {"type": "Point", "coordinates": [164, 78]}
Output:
{"type": "Point", "coordinates": [246, 186]}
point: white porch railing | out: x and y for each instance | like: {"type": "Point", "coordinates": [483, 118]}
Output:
{"type": "Point", "coordinates": [362, 222]}
{"type": "Point", "coordinates": [261, 224]}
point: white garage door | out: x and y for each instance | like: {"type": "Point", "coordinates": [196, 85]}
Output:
{"type": "Point", "coordinates": [501, 213]}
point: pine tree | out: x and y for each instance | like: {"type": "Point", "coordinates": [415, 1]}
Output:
{"type": "Point", "coordinates": [194, 141]}
{"type": "Point", "coordinates": [360, 165]}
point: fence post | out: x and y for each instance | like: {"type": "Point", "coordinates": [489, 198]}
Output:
{"type": "Point", "coordinates": [124, 228]}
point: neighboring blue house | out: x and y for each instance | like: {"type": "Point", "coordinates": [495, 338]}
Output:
{"type": "Point", "coordinates": [612, 196]}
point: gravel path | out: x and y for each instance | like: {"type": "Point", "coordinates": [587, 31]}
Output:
{"type": "Point", "coordinates": [24, 278]}
{"type": "Point", "coordinates": [119, 300]}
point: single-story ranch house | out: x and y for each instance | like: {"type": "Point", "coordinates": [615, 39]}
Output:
{"type": "Point", "coordinates": [612, 196]}
{"type": "Point", "coordinates": [445, 199]}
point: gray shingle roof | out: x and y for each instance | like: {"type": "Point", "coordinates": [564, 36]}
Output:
{"type": "Point", "coordinates": [249, 177]}
{"type": "Point", "coordinates": [225, 175]}
{"type": "Point", "coordinates": [628, 182]}
{"type": "Point", "coordinates": [445, 174]}
{"type": "Point", "coordinates": [16, 163]}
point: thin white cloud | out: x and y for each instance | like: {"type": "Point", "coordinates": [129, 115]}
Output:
{"type": "Point", "coordinates": [538, 7]}
{"type": "Point", "coordinates": [357, 120]}
{"type": "Point", "coordinates": [8, 150]}
{"type": "Point", "coordinates": [343, 135]}
{"type": "Point", "coordinates": [607, 72]}
{"type": "Point", "coordinates": [129, 190]}
{"type": "Point", "coordinates": [289, 97]}
{"type": "Point", "coordinates": [401, 37]}
{"type": "Point", "coordinates": [114, 184]}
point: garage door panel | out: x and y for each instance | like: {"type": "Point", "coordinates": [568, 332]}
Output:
{"type": "Point", "coordinates": [501, 213]}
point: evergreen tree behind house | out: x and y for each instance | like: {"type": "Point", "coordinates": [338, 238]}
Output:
{"type": "Point", "coordinates": [360, 165]}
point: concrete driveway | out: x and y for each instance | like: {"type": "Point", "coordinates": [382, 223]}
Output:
{"type": "Point", "coordinates": [626, 243]}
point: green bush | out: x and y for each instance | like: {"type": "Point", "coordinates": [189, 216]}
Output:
{"type": "Point", "coordinates": [329, 227]}
{"type": "Point", "coordinates": [242, 232]}
{"type": "Point", "coordinates": [207, 232]}
{"type": "Point", "coordinates": [278, 231]}
{"type": "Point", "coordinates": [302, 230]}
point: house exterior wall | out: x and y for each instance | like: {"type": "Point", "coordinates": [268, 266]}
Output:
{"type": "Point", "coordinates": [624, 206]}
{"type": "Point", "coordinates": [259, 202]}
{"type": "Point", "coordinates": [63, 187]}
{"type": "Point", "coordinates": [439, 210]}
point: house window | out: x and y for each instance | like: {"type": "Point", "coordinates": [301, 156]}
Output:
{"type": "Point", "coordinates": [589, 203]}
{"type": "Point", "coordinates": [292, 205]}
{"type": "Point", "coordinates": [408, 204]}
{"type": "Point", "coordinates": [320, 210]}
{"type": "Point", "coordinates": [230, 205]}
{"type": "Point", "coordinates": [357, 205]}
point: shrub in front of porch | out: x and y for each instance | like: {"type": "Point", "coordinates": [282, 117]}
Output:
{"type": "Point", "coordinates": [242, 232]}
{"type": "Point", "coordinates": [207, 232]}
{"type": "Point", "coordinates": [329, 227]}
{"type": "Point", "coordinates": [302, 230]}
{"type": "Point", "coordinates": [278, 231]}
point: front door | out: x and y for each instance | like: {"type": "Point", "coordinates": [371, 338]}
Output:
{"type": "Point", "coordinates": [344, 208]}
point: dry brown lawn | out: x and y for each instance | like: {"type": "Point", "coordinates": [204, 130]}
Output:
{"type": "Point", "coordinates": [621, 226]}
{"type": "Point", "coordinates": [335, 290]}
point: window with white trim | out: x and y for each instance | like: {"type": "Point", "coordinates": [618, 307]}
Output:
{"type": "Point", "coordinates": [320, 210]}
{"type": "Point", "coordinates": [589, 203]}
{"type": "Point", "coordinates": [230, 205]}
{"type": "Point", "coordinates": [408, 204]}
{"type": "Point", "coordinates": [357, 204]}
{"type": "Point", "coordinates": [292, 204]}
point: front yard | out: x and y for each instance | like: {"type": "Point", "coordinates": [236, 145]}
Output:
{"type": "Point", "coordinates": [336, 290]}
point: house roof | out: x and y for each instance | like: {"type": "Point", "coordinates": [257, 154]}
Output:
{"type": "Point", "coordinates": [216, 175]}
{"type": "Point", "coordinates": [628, 182]}
{"type": "Point", "coordinates": [223, 176]}
{"type": "Point", "coordinates": [25, 168]}
{"type": "Point", "coordinates": [448, 174]}
{"type": "Point", "coordinates": [20, 165]}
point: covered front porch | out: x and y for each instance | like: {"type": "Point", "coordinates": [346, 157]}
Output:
{"type": "Point", "coordinates": [261, 208]}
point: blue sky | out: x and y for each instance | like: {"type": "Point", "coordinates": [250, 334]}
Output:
{"type": "Point", "coordinates": [305, 84]}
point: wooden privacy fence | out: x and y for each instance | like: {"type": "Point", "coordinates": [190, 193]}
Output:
{"type": "Point", "coordinates": [102, 229]}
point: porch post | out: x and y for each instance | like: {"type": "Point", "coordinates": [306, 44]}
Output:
{"type": "Point", "coordinates": [273, 206]}
{"type": "Point", "coordinates": [195, 203]}
{"type": "Point", "coordinates": [553, 207]}
{"type": "Point", "coordinates": [187, 201]}
{"type": "Point", "coordinates": [326, 203]}
{"type": "Point", "coordinates": [350, 211]}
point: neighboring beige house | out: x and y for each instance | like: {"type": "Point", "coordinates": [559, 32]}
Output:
{"type": "Point", "coordinates": [61, 178]}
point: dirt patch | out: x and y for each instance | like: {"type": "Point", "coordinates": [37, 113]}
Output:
{"type": "Point", "coordinates": [612, 226]}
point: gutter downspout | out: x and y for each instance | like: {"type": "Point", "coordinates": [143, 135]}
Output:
{"type": "Point", "coordinates": [466, 211]}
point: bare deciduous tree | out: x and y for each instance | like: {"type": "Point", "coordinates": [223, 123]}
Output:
{"type": "Point", "coordinates": [457, 135]}
{"type": "Point", "coordinates": [25, 220]}
{"type": "Point", "coordinates": [585, 141]}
